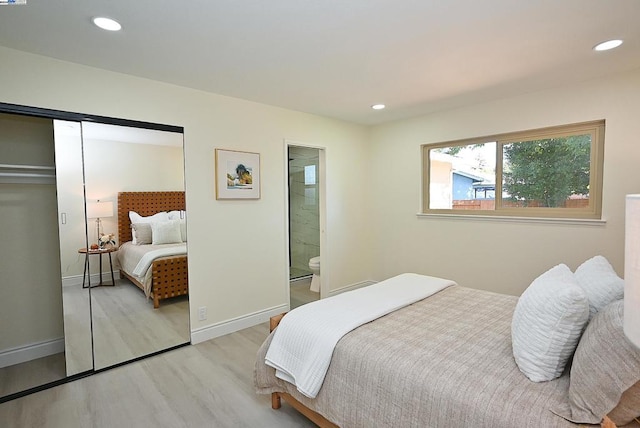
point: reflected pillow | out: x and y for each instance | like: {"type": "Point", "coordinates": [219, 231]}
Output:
{"type": "Point", "coordinates": [134, 217]}
{"type": "Point", "coordinates": [183, 230]}
{"type": "Point", "coordinates": [166, 232]}
{"type": "Point", "coordinates": [547, 324]}
{"type": "Point", "coordinates": [177, 215]}
{"type": "Point", "coordinates": [141, 233]}
{"type": "Point", "coordinates": [180, 215]}
{"type": "Point", "coordinates": [600, 282]}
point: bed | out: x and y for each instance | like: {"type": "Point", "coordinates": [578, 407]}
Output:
{"type": "Point", "coordinates": [445, 360]}
{"type": "Point", "coordinates": [168, 275]}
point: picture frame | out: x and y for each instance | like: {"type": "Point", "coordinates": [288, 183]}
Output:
{"type": "Point", "coordinates": [237, 174]}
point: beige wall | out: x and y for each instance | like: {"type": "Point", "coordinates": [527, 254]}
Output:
{"type": "Point", "coordinates": [70, 199]}
{"type": "Point", "coordinates": [114, 166]}
{"type": "Point", "coordinates": [499, 255]}
{"type": "Point", "coordinates": [110, 167]}
{"type": "Point", "coordinates": [31, 302]}
{"type": "Point", "coordinates": [237, 249]}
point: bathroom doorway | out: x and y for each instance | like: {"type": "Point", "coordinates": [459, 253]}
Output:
{"type": "Point", "coordinates": [304, 187]}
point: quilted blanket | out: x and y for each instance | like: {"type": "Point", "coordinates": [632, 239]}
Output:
{"type": "Point", "coordinates": [444, 361]}
{"type": "Point", "coordinates": [302, 346]}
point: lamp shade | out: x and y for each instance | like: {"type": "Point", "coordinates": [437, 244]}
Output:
{"type": "Point", "coordinates": [99, 209]}
{"type": "Point", "coordinates": [632, 270]}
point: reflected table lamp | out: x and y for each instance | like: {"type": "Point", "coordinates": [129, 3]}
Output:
{"type": "Point", "coordinates": [632, 270]}
{"type": "Point", "coordinates": [99, 210]}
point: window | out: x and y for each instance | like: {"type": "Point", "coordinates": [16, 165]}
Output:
{"type": "Point", "coordinates": [552, 172]}
{"type": "Point", "coordinates": [309, 175]}
{"type": "Point", "coordinates": [310, 185]}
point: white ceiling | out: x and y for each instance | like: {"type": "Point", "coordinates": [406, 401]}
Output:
{"type": "Point", "coordinates": [337, 57]}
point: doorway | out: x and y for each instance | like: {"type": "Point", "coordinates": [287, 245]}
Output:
{"type": "Point", "coordinates": [304, 209]}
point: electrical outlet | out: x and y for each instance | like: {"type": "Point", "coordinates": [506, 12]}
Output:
{"type": "Point", "coordinates": [202, 313]}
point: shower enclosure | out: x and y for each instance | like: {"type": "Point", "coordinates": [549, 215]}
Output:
{"type": "Point", "coordinates": [304, 214]}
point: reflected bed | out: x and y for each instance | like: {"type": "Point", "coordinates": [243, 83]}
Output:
{"type": "Point", "coordinates": [168, 275]}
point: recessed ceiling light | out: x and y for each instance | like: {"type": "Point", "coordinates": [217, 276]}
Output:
{"type": "Point", "coordinates": [378, 106]}
{"type": "Point", "coordinates": [107, 23]}
{"type": "Point", "coordinates": [609, 44]}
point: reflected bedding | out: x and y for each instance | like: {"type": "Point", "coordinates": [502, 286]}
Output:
{"type": "Point", "coordinates": [136, 260]}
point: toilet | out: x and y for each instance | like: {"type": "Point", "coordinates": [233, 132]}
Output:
{"type": "Point", "coordinates": [314, 265]}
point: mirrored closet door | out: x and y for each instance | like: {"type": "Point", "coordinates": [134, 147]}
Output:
{"type": "Point", "coordinates": [143, 169]}
{"type": "Point", "coordinates": [68, 309]}
{"type": "Point", "coordinates": [73, 235]}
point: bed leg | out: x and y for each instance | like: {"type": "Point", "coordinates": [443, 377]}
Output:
{"type": "Point", "coordinates": [275, 400]}
{"type": "Point", "coordinates": [607, 423]}
{"type": "Point", "coordinates": [156, 302]}
{"type": "Point", "coordinates": [275, 320]}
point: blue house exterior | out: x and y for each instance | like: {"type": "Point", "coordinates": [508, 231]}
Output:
{"type": "Point", "coordinates": [463, 185]}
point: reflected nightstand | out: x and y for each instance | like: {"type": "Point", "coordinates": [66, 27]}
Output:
{"type": "Point", "coordinates": [87, 274]}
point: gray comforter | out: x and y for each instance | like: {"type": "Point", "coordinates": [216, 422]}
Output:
{"type": "Point", "coordinates": [445, 361]}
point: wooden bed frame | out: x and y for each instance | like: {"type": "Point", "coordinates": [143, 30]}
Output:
{"type": "Point", "coordinates": [321, 421]}
{"type": "Point", "coordinates": [170, 274]}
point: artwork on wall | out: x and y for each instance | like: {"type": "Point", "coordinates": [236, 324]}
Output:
{"type": "Point", "coordinates": [237, 175]}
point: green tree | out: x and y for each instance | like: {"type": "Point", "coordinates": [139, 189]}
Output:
{"type": "Point", "coordinates": [546, 172]}
{"type": "Point", "coordinates": [455, 150]}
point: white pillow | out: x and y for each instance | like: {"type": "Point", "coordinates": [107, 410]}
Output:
{"type": "Point", "coordinates": [166, 232]}
{"type": "Point", "coordinates": [183, 230]}
{"type": "Point", "coordinates": [547, 324]}
{"type": "Point", "coordinates": [600, 282]}
{"type": "Point", "coordinates": [134, 217]}
{"type": "Point", "coordinates": [182, 216]}
{"type": "Point", "coordinates": [177, 215]}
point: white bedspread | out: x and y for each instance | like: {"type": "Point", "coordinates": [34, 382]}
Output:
{"type": "Point", "coordinates": [303, 343]}
{"type": "Point", "coordinates": [149, 257]}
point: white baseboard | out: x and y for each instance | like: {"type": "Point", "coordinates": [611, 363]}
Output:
{"type": "Point", "coordinates": [226, 327]}
{"type": "Point", "coordinates": [351, 287]}
{"type": "Point", "coordinates": [95, 278]}
{"type": "Point", "coordinates": [33, 351]}
{"type": "Point", "coordinates": [300, 279]}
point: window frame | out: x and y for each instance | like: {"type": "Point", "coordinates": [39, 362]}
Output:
{"type": "Point", "coordinates": [592, 211]}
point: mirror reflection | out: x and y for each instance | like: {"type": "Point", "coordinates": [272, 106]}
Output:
{"type": "Point", "coordinates": [79, 291]}
{"type": "Point", "coordinates": [71, 209]}
{"type": "Point", "coordinates": [136, 221]}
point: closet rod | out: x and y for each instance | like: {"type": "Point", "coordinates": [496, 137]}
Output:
{"type": "Point", "coordinates": [9, 166]}
{"type": "Point", "coordinates": [25, 175]}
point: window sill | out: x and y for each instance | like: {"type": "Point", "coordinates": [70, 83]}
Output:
{"type": "Point", "coordinates": [509, 219]}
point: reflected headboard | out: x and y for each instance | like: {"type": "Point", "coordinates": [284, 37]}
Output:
{"type": "Point", "coordinates": [145, 204]}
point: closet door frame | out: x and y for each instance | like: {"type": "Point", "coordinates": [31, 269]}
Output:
{"type": "Point", "coordinates": [77, 117]}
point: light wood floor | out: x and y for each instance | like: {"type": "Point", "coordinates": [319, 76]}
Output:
{"type": "Point", "coordinates": [300, 293]}
{"type": "Point", "coordinates": [20, 377]}
{"type": "Point", "coordinates": [204, 385]}
{"type": "Point", "coordinates": [126, 326]}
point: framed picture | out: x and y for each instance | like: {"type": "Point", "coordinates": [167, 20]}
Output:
{"type": "Point", "coordinates": [237, 175]}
